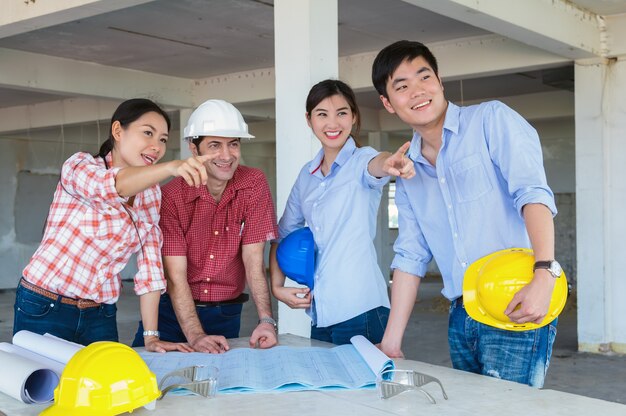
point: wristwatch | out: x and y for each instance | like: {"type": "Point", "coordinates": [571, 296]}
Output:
{"type": "Point", "coordinates": [552, 266]}
{"type": "Point", "coordinates": [269, 320]}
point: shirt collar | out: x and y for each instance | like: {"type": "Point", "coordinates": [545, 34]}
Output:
{"type": "Point", "coordinates": [344, 154]}
{"type": "Point", "coordinates": [453, 116]}
{"type": "Point", "coordinates": [450, 123]}
{"type": "Point", "coordinates": [234, 184]}
{"type": "Point", "coordinates": [346, 151]}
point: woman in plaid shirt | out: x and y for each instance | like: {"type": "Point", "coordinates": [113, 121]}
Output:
{"type": "Point", "coordinates": [105, 208]}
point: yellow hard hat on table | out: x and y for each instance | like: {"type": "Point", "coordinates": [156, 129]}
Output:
{"type": "Point", "coordinates": [491, 282]}
{"type": "Point", "coordinates": [104, 378]}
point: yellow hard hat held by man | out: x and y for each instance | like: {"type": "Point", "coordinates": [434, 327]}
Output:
{"type": "Point", "coordinates": [491, 282]}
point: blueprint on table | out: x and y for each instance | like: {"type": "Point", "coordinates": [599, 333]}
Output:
{"type": "Point", "coordinates": [349, 366]}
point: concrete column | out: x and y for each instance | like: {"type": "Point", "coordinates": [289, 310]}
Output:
{"type": "Point", "coordinates": [600, 204]}
{"type": "Point", "coordinates": [183, 117]}
{"type": "Point", "coordinates": [306, 51]}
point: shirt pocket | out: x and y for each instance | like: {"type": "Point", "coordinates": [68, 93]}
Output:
{"type": "Point", "coordinates": [234, 230]}
{"type": "Point", "coordinates": [470, 178]}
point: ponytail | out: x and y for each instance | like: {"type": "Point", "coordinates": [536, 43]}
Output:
{"type": "Point", "coordinates": [105, 149]}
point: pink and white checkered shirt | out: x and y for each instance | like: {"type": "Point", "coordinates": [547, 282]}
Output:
{"type": "Point", "coordinates": [90, 236]}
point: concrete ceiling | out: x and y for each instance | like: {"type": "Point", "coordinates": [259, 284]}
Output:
{"type": "Point", "coordinates": [196, 39]}
{"type": "Point", "coordinates": [201, 38]}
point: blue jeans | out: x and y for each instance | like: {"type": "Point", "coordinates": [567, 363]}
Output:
{"type": "Point", "coordinates": [38, 314]}
{"type": "Point", "coordinates": [215, 320]}
{"type": "Point", "coordinates": [522, 356]}
{"type": "Point", "coordinates": [370, 324]}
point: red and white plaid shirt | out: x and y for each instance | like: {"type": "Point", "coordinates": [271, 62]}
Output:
{"type": "Point", "coordinates": [90, 236]}
{"type": "Point", "coordinates": [211, 234]}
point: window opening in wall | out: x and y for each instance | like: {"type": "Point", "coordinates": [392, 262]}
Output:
{"type": "Point", "coordinates": [392, 210]}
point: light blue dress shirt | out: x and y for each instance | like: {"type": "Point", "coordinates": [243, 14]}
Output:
{"type": "Point", "coordinates": [341, 210]}
{"type": "Point", "coordinates": [470, 204]}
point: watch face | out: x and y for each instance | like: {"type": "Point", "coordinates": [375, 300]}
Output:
{"type": "Point", "coordinates": [555, 269]}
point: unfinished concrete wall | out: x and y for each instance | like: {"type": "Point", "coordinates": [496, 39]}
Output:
{"type": "Point", "coordinates": [565, 235]}
{"type": "Point", "coordinates": [28, 156]}
{"type": "Point", "coordinates": [557, 141]}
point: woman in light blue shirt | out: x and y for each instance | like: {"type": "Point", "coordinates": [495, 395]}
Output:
{"type": "Point", "coordinates": [337, 195]}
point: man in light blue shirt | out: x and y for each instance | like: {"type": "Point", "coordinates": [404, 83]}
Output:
{"type": "Point", "coordinates": [480, 187]}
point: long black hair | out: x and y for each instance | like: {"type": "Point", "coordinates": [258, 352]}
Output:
{"type": "Point", "coordinates": [331, 87]}
{"type": "Point", "coordinates": [126, 113]}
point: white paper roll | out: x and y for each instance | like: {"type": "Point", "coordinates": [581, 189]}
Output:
{"type": "Point", "coordinates": [54, 348]}
{"type": "Point", "coordinates": [46, 362]}
{"type": "Point", "coordinates": [26, 380]}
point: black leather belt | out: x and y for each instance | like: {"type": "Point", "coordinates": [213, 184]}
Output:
{"type": "Point", "coordinates": [243, 298]}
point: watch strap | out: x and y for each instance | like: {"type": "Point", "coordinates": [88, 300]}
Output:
{"type": "Point", "coordinates": [542, 264]}
{"type": "Point", "coordinates": [269, 320]}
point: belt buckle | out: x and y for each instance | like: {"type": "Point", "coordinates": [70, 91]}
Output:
{"type": "Point", "coordinates": [84, 303]}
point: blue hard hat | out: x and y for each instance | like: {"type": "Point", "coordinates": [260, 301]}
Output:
{"type": "Point", "coordinates": [296, 256]}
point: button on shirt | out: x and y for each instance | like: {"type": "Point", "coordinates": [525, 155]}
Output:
{"type": "Point", "coordinates": [470, 204]}
{"type": "Point", "coordinates": [341, 211]}
{"type": "Point", "coordinates": [90, 236]}
{"type": "Point", "coordinates": [210, 234]}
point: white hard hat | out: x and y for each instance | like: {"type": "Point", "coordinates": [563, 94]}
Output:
{"type": "Point", "coordinates": [216, 118]}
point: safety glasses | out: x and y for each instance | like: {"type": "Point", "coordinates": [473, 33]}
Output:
{"type": "Point", "coordinates": [390, 383]}
{"type": "Point", "coordinates": [198, 379]}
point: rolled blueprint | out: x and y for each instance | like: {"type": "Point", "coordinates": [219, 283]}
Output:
{"type": "Point", "coordinates": [49, 346]}
{"type": "Point", "coordinates": [46, 362]}
{"type": "Point", "coordinates": [26, 380]}
{"type": "Point", "coordinates": [32, 365]}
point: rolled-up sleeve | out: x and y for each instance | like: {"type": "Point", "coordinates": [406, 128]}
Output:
{"type": "Point", "coordinates": [150, 276]}
{"type": "Point", "coordinates": [260, 219]}
{"type": "Point", "coordinates": [412, 252]}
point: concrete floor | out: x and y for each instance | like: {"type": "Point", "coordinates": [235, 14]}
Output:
{"type": "Point", "coordinates": [592, 375]}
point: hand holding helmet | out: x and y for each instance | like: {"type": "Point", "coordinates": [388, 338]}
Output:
{"type": "Point", "coordinates": [491, 283]}
{"type": "Point", "coordinates": [296, 259]}
{"type": "Point", "coordinates": [296, 256]}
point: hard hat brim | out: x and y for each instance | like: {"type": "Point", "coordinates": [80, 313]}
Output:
{"type": "Point", "coordinates": [228, 134]}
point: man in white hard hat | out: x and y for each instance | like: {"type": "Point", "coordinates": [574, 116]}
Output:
{"type": "Point", "coordinates": [214, 238]}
